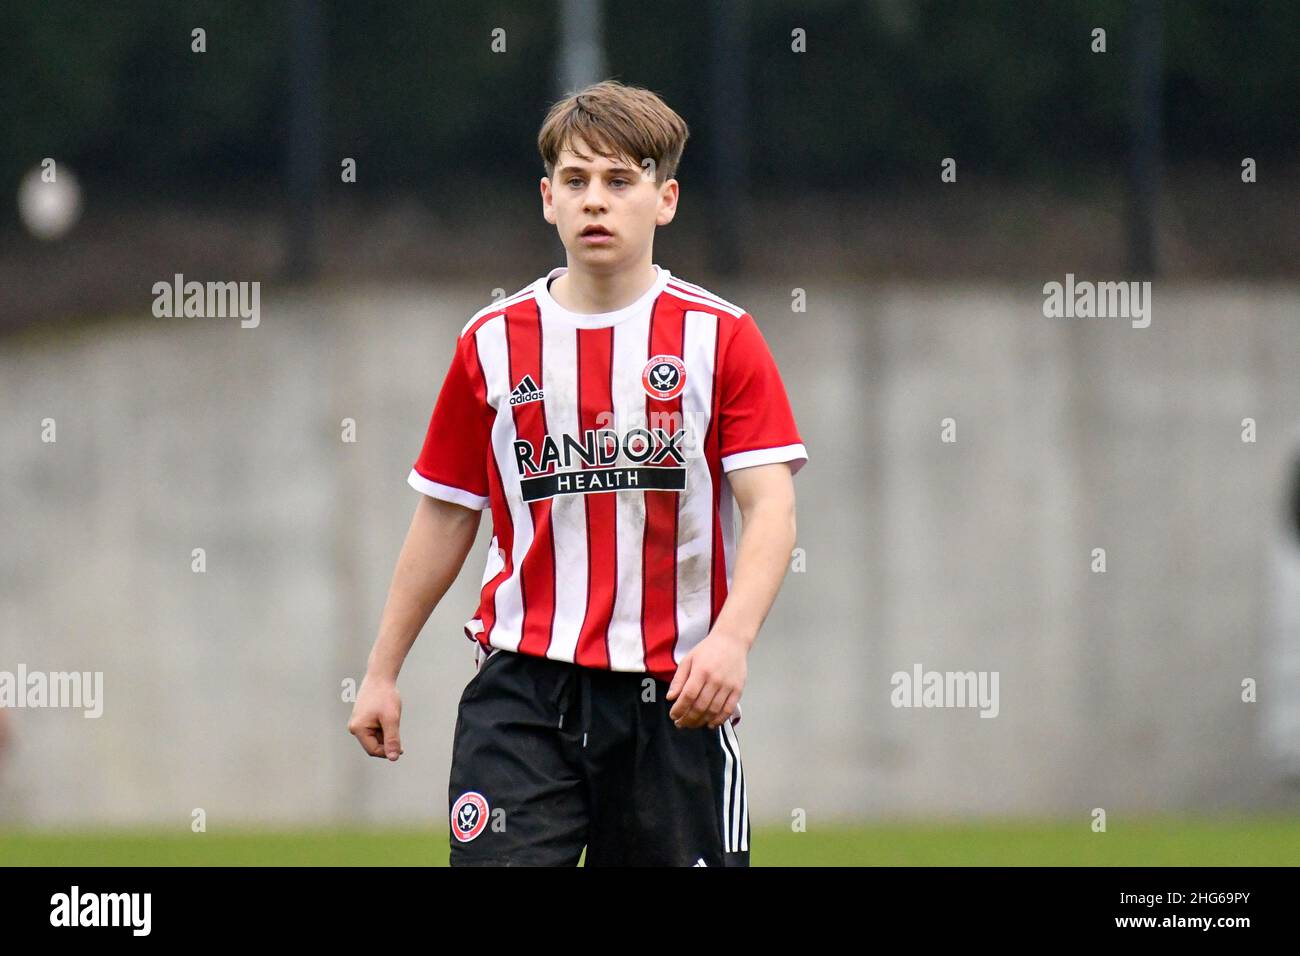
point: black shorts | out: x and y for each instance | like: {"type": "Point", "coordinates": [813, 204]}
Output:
{"type": "Point", "coordinates": [549, 757]}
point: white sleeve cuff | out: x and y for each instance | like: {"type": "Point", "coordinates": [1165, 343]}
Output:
{"type": "Point", "coordinates": [457, 496]}
{"type": "Point", "coordinates": [796, 455]}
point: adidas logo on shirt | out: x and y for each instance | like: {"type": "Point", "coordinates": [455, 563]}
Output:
{"type": "Point", "coordinates": [526, 391]}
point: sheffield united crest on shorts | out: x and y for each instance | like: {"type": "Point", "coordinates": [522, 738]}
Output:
{"type": "Point", "coordinates": [469, 816]}
{"type": "Point", "coordinates": [664, 377]}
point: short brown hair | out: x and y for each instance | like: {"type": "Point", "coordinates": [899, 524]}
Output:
{"type": "Point", "coordinates": [616, 120]}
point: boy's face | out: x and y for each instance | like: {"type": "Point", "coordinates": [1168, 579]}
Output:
{"type": "Point", "coordinates": [618, 194]}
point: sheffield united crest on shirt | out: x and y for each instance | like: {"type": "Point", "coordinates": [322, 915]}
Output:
{"type": "Point", "coordinates": [664, 377]}
{"type": "Point", "coordinates": [469, 816]}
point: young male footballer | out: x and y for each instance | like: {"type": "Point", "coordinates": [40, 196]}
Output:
{"type": "Point", "coordinates": [611, 415]}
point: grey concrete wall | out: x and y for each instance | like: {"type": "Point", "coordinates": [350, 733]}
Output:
{"type": "Point", "coordinates": [223, 689]}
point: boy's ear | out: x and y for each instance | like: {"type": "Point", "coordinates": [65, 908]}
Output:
{"type": "Point", "coordinates": [668, 198]}
{"type": "Point", "coordinates": [548, 209]}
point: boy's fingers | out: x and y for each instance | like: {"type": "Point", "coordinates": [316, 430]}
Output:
{"type": "Point", "coordinates": [370, 743]}
{"type": "Point", "coordinates": [392, 741]}
{"type": "Point", "coordinates": [690, 702]}
{"type": "Point", "coordinates": [728, 708]}
{"type": "Point", "coordinates": [686, 699]}
{"type": "Point", "coordinates": [679, 678]}
{"type": "Point", "coordinates": [702, 712]}
{"type": "Point", "coordinates": [711, 703]}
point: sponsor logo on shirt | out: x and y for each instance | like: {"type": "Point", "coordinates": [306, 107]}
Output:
{"type": "Point", "coordinates": [526, 391]}
{"type": "Point", "coordinates": [657, 456]}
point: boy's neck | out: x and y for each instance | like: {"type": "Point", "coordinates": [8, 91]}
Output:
{"type": "Point", "coordinates": [587, 294]}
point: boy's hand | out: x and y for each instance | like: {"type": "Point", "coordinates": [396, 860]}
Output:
{"type": "Point", "coordinates": [375, 718]}
{"type": "Point", "coordinates": [709, 681]}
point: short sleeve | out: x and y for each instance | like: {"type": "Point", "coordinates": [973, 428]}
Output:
{"type": "Point", "coordinates": [453, 464]}
{"type": "Point", "coordinates": [755, 422]}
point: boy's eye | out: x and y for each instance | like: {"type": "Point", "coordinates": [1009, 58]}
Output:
{"type": "Point", "coordinates": [578, 179]}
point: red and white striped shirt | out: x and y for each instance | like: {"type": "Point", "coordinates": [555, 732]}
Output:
{"type": "Point", "coordinates": [601, 443]}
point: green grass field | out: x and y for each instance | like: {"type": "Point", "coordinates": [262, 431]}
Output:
{"type": "Point", "coordinates": [1254, 841]}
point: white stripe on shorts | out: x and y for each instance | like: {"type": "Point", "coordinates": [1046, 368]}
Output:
{"type": "Point", "coordinates": [735, 794]}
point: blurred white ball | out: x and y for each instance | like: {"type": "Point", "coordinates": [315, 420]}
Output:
{"type": "Point", "coordinates": [49, 210]}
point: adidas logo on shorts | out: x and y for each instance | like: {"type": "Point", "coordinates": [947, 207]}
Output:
{"type": "Point", "coordinates": [525, 391]}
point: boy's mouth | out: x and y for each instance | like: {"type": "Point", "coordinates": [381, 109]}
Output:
{"type": "Point", "coordinates": [595, 233]}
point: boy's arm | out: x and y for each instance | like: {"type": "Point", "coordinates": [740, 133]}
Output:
{"type": "Point", "coordinates": [711, 677]}
{"type": "Point", "coordinates": [436, 544]}
{"type": "Point", "coordinates": [439, 538]}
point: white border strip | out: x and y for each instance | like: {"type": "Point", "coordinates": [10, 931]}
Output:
{"type": "Point", "coordinates": [699, 290]}
{"type": "Point", "coordinates": [499, 306]}
{"type": "Point", "coordinates": [733, 311]}
{"type": "Point", "coordinates": [727, 777]}
{"type": "Point", "coordinates": [795, 454]}
{"type": "Point", "coordinates": [456, 496]}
